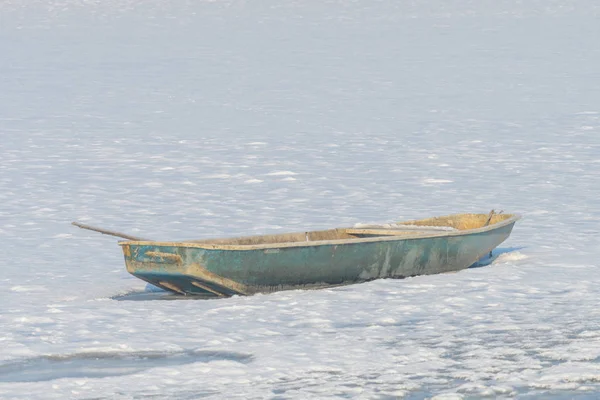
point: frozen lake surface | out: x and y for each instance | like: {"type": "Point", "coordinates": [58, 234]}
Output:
{"type": "Point", "coordinates": [178, 119]}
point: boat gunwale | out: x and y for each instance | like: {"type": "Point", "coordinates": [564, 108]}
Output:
{"type": "Point", "coordinates": [387, 238]}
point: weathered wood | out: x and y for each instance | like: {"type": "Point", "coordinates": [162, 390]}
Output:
{"type": "Point", "coordinates": [107, 232]}
{"type": "Point", "coordinates": [389, 232]}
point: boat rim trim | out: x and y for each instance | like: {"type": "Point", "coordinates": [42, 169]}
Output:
{"type": "Point", "coordinates": [514, 218]}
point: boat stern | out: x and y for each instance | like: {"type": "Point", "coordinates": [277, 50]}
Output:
{"type": "Point", "coordinates": [170, 268]}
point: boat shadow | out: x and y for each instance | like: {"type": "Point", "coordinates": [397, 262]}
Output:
{"type": "Point", "coordinates": [497, 252]}
{"type": "Point", "coordinates": [154, 293]}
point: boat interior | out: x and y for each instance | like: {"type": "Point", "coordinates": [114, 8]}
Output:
{"type": "Point", "coordinates": [436, 225]}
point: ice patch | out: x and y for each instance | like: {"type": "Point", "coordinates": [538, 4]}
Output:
{"type": "Point", "coordinates": [281, 173]}
{"type": "Point", "coordinates": [253, 181]}
{"type": "Point", "coordinates": [104, 364]}
{"type": "Point", "coordinates": [447, 396]}
{"type": "Point", "coordinates": [25, 289]}
{"type": "Point", "coordinates": [153, 184]}
{"type": "Point", "coordinates": [33, 320]}
{"type": "Point", "coordinates": [433, 181]}
{"type": "Point", "coordinates": [508, 257]}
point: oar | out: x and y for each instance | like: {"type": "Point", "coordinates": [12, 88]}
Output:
{"type": "Point", "coordinates": [111, 233]}
{"type": "Point", "coordinates": [489, 219]}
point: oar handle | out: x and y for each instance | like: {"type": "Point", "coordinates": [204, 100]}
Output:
{"type": "Point", "coordinates": [107, 232]}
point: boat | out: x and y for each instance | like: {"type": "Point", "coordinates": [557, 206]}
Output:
{"type": "Point", "coordinates": [305, 260]}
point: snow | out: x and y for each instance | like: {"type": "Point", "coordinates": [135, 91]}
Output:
{"type": "Point", "coordinates": [180, 120]}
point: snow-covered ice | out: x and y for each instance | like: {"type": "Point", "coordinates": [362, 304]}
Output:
{"type": "Point", "coordinates": [176, 120]}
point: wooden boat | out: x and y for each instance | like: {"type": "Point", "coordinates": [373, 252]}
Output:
{"type": "Point", "coordinates": [269, 263]}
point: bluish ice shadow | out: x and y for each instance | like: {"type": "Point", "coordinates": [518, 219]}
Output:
{"type": "Point", "coordinates": [152, 292]}
{"type": "Point", "coordinates": [487, 259]}
{"type": "Point", "coordinates": [104, 364]}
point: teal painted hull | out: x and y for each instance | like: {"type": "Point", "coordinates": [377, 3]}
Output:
{"type": "Point", "coordinates": [216, 270]}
